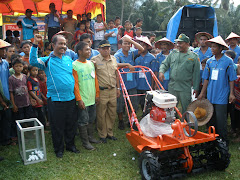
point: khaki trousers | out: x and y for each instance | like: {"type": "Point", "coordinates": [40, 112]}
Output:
{"type": "Point", "coordinates": [106, 112]}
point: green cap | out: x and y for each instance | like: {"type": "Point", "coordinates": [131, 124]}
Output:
{"type": "Point", "coordinates": [183, 38]}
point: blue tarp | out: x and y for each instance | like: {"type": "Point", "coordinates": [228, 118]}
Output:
{"type": "Point", "coordinates": [173, 24]}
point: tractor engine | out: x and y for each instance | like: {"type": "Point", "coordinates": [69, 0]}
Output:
{"type": "Point", "coordinates": [160, 105]}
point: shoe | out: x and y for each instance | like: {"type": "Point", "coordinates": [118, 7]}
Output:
{"type": "Point", "coordinates": [59, 154]}
{"type": "Point", "coordinates": [121, 125]}
{"type": "Point", "coordinates": [1, 158]}
{"type": "Point", "coordinates": [73, 149]}
{"type": "Point", "coordinates": [103, 140]}
{"type": "Point", "coordinates": [112, 138]}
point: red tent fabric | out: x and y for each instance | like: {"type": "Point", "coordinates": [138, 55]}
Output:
{"type": "Point", "coordinates": [78, 6]}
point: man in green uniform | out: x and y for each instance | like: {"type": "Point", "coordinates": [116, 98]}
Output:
{"type": "Point", "coordinates": [184, 73]}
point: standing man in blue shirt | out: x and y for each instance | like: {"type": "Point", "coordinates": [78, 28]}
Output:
{"type": "Point", "coordinates": [28, 25]}
{"type": "Point", "coordinates": [60, 96]}
{"type": "Point", "coordinates": [5, 111]}
{"type": "Point", "coordinates": [148, 60]}
{"type": "Point", "coordinates": [233, 40]}
{"type": "Point", "coordinates": [87, 38]}
{"type": "Point", "coordinates": [166, 46]}
{"type": "Point", "coordinates": [127, 55]}
{"type": "Point", "coordinates": [111, 35]}
{"type": "Point", "coordinates": [52, 22]}
{"type": "Point", "coordinates": [219, 76]}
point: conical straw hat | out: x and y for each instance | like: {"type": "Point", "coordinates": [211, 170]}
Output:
{"type": "Point", "coordinates": [232, 35]}
{"type": "Point", "coordinates": [218, 40]}
{"type": "Point", "coordinates": [170, 43]}
{"type": "Point", "coordinates": [4, 44]}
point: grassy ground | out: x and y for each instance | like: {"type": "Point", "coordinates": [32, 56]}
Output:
{"type": "Point", "coordinates": [98, 164]}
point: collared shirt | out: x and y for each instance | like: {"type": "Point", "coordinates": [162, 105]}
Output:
{"type": "Point", "coordinates": [93, 53]}
{"type": "Point", "coordinates": [159, 59]}
{"type": "Point", "coordinates": [112, 39]}
{"type": "Point", "coordinates": [218, 90]}
{"type": "Point", "coordinates": [105, 70]}
{"type": "Point", "coordinates": [51, 20]}
{"type": "Point", "coordinates": [202, 56]}
{"type": "Point", "coordinates": [185, 70]}
{"type": "Point", "coordinates": [4, 75]}
{"type": "Point", "coordinates": [128, 78]}
{"type": "Point", "coordinates": [60, 81]}
{"type": "Point", "coordinates": [149, 61]}
{"type": "Point", "coordinates": [28, 26]}
{"type": "Point", "coordinates": [237, 51]}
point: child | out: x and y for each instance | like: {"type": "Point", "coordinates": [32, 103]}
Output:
{"type": "Point", "coordinates": [26, 46]}
{"type": "Point", "coordinates": [99, 27]}
{"type": "Point", "coordinates": [40, 44]}
{"type": "Point", "coordinates": [10, 50]}
{"type": "Point", "coordinates": [9, 37]}
{"type": "Point", "coordinates": [80, 32]}
{"type": "Point", "coordinates": [19, 92]}
{"type": "Point", "coordinates": [87, 94]}
{"type": "Point", "coordinates": [42, 79]}
{"type": "Point", "coordinates": [16, 41]}
{"type": "Point", "coordinates": [48, 48]}
{"type": "Point", "coordinates": [138, 33]}
{"type": "Point", "coordinates": [111, 36]}
{"type": "Point", "coordinates": [152, 38]}
{"type": "Point", "coordinates": [25, 69]}
{"type": "Point", "coordinates": [127, 29]}
{"type": "Point", "coordinates": [89, 30]}
{"type": "Point", "coordinates": [34, 91]}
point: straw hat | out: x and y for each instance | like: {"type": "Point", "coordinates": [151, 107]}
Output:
{"type": "Point", "coordinates": [218, 40]}
{"type": "Point", "coordinates": [232, 35]}
{"type": "Point", "coordinates": [145, 40]}
{"type": "Point", "coordinates": [170, 43]}
{"type": "Point", "coordinates": [4, 44]}
{"type": "Point", "coordinates": [199, 34]}
{"type": "Point", "coordinates": [202, 109]}
{"type": "Point", "coordinates": [68, 35]}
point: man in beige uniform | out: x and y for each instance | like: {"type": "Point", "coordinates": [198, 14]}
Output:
{"type": "Point", "coordinates": [106, 71]}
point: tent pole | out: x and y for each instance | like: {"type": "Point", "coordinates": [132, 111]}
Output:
{"type": "Point", "coordinates": [35, 5]}
{"type": "Point", "coordinates": [9, 8]}
{"type": "Point", "coordinates": [62, 7]}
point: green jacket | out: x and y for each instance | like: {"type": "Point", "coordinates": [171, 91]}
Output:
{"type": "Point", "coordinates": [185, 70]}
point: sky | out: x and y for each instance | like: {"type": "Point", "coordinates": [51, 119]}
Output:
{"type": "Point", "coordinates": [236, 2]}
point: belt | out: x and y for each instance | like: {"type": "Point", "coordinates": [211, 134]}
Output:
{"type": "Point", "coordinates": [102, 88]}
{"type": "Point", "coordinates": [54, 27]}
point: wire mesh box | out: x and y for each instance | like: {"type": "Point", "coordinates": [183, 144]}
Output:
{"type": "Point", "coordinates": [31, 141]}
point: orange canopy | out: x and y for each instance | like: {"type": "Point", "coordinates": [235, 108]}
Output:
{"type": "Point", "coordinates": [78, 6]}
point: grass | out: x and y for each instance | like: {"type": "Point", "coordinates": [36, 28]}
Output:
{"type": "Point", "coordinates": [98, 164]}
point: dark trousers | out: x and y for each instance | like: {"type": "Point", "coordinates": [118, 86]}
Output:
{"type": "Point", "coordinates": [24, 113]}
{"type": "Point", "coordinates": [40, 115]}
{"type": "Point", "coordinates": [63, 122]}
{"type": "Point", "coordinates": [52, 32]}
{"type": "Point", "coordinates": [219, 120]}
{"type": "Point", "coordinates": [5, 126]}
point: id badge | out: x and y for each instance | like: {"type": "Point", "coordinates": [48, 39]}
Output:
{"type": "Point", "coordinates": [129, 77]}
{"type": "Point", "coordinates": [55, 19]}
{"type": "Point", "coordinates": [93, 74]}
{"type": "Point", "coordinates": [215, 74]}
{"type": "Point", "coordinates": [141, 75]}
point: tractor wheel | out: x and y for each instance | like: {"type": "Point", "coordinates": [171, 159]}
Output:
{"type": "Point", "coordinates": [149, 166]}
{"type": "Point", "coordinates": [220, 157]}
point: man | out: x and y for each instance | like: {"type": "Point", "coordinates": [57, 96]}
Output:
{"type": "Point", "coordinates": [106, 71]}
{"type": "Point", "coordinates": [185, 69]}
{"type": "Point", "coordinates": [148, 60]}
{"type": "Point", "coordinates": [87, 38]}
{"type": "Point", "coordinates": [87, 94]}
{"type": "Point", "coordinates": [61, 100]}
{"type": "Point", "coordinates": [165, 45]}
{"type": "Point", "coordinates": [203, 51]}
{"type": "Point", "coordinates": [68, 36]}
{"type": "Point", "coordinates": [5, 111]}
{"type": "Point", "coordinates": [127, 55]}
{"type": "Point", "coordinates": [219, 76]}
{"type": "Point", "coordinates": [69, 24]}
{"type": "Point", "coordinates": [52, 22]}
{"type": "Point", "coordinates": [233, 40]}
{"type": "Point", "coordinates": [28, 25]}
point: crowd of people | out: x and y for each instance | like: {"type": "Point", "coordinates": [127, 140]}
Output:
{"type": "Point", "coordinates": [71, 83]}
